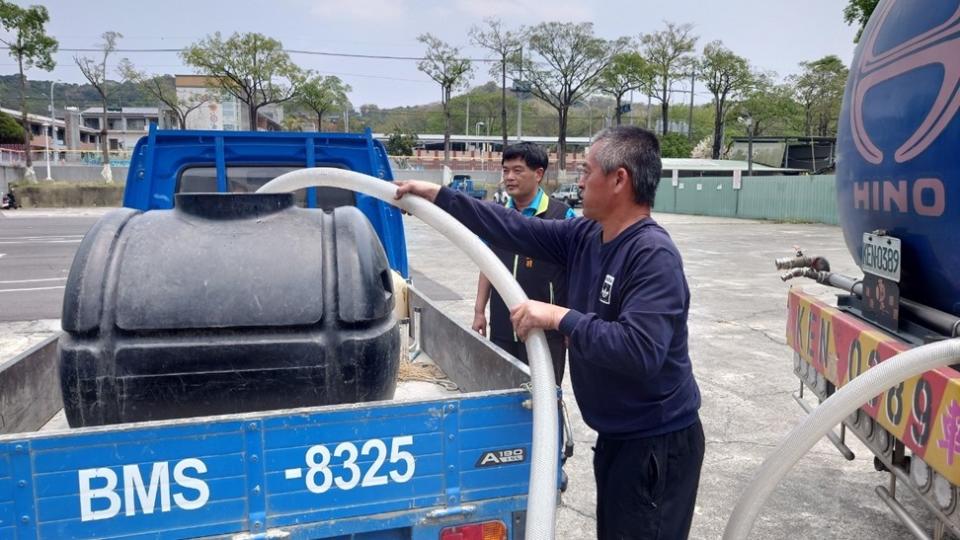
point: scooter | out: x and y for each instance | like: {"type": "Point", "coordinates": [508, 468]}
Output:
{"type": "Point", "coordinates": [9, 202]}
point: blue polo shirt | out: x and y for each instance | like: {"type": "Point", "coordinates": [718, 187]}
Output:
{"type": "Point", "coordinates": [538, 205]}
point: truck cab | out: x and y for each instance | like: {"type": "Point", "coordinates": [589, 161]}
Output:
{"type": "Point", "coordinates": [165, 163]}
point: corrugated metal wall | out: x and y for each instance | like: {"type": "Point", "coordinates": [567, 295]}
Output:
{"type": "Point", "coordinates": [781, 198]}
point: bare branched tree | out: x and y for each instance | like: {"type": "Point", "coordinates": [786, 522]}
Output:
{"type": "Point", "coordinates": [505, 46]}
{"type": "Point", "coordinates": [163, 88]}
{"type": "Point", "coordinates": [669, 52]}
{"type": "Point", "coordinates": [568, 63]}
{"type": "Point", "coordinates": [443, 64]}
{"type": "Point", "coordinates": [96, 74]}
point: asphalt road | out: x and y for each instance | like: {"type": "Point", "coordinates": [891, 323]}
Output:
{"type": "Point", "coordinates": [36, 251]}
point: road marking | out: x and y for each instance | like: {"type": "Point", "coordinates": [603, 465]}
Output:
{"type": "Point", "coordinates": [41, 237]}
{"type": "Point", "coordinates": [31, 280]}
{"type": "Point", "coordinates": [45, 242]}
{"type": "Point", "coordinates": [33, 289]}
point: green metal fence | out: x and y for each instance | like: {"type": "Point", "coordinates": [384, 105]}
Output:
{"type": "Point", "coordinates": [781, 198]}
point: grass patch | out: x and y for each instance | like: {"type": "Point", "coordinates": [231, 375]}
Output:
{"type": "Point", "coordinates": [44, 194]}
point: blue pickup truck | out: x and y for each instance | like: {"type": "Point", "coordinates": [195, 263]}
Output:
{"type": "Point", "coordinates": [464, 183]}
{"type": "Point", "coordinates": [448, 466]}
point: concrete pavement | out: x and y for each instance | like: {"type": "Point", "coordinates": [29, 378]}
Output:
{"type": "Point", "coordinates": [744, 369]}
{"type": "Point", "coordinates": [741, 361]}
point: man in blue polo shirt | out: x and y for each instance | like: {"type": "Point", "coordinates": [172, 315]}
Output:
{"type": "Point", "coordinates": [626, 324]}
{"type": "Point", "coordinates": [523, 167]}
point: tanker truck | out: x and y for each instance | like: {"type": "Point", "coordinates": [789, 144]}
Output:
{"type": "Point", "coordinates": [898, 197]}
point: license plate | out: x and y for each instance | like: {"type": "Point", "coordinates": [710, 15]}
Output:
{"type": "Point", "coordinates": [881, 256]}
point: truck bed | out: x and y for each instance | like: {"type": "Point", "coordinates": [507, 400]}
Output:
{"type": "Point", "coordinates": [393, 469]}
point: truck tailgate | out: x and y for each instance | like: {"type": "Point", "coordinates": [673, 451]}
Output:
{"type": "Point", "coordinates": [311, 473]}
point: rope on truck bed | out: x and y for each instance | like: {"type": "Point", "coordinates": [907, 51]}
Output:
{"type": "Point", "coordinates": [420, 371]}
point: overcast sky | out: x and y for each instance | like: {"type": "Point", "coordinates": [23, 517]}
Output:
{"type": "Point", "coordinates": [773, 34]}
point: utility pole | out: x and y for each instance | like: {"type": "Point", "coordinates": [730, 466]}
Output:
{"type": "Point", "coordinates": [648, 112]}
{"type": "Point", "coordinates": [693, 80]}
{"type": "Point", "coordinates": [520, 96]}
{"type": "Point", "coordinates": [466, 125]}
{"type": "Point", "coordinates": [53, 128]}
{"type": "Point", "coordinates": [503, 101]}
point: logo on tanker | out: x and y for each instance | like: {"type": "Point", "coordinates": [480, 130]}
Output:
{"type": "Point", "coordinates": [939, 46]}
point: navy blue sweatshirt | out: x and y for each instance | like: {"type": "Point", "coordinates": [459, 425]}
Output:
{"type": "Point", "coordinates": [627, 325]}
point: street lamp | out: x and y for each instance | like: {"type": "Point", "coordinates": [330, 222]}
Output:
{"type": "Point", "coordinates": [53, 128]}
{"type": "Point", "coordinates": [46, 147]}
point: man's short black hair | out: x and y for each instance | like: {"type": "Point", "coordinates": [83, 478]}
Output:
{"type": "Point", "coordinates": [532, 154]}
{"type": "Point", "coordinates": [636, 150]}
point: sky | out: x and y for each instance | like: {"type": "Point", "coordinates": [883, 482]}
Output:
{"type": "Point", "coordinates": [773, 34]}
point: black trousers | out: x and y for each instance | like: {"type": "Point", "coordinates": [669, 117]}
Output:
{"type": "Point", "coordinates": [646, 488]}
{"type": "Point", "coordinates": [558, 351]}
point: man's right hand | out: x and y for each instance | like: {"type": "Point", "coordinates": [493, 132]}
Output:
{"type": "Point", "coordinates": [427, 190]}
{"type": "Point", "coordinates": [480, 323]}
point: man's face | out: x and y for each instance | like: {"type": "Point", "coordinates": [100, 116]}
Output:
{"type": "Point", "coordinates": [596, 185]}
{"type": "Point", "coordinates": [520, 180]}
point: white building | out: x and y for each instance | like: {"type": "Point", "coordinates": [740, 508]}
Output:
{"type": "Point", "coordinates": [70, 138]}
{"type": "Point", "coordinates": [125, 126]}
{"type": "Point", "coordinates": [221, 112]}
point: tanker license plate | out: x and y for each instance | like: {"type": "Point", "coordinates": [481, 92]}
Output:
{"type": "Point", "coordinates": [881, 256]}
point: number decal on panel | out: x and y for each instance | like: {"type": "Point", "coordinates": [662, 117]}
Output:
{"type": "Point", "coordinates": [922, 412]}
{"type": "Point", "coordinates": [895, 404]}
{"type": "Point", "coordinates": [320, 478]}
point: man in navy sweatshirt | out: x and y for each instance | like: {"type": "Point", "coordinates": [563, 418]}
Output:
{"type": "Point", "coordinates": [626, 325]}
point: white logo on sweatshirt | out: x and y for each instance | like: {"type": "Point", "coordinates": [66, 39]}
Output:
{"type": "Point", "coordinates": [606, 289]}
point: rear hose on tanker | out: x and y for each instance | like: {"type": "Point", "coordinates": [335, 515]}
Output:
{"type": "Point", "coordinates": [830, 413]}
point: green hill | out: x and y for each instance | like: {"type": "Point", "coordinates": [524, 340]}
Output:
{"type": "Point", "coordinates": [69, 95]}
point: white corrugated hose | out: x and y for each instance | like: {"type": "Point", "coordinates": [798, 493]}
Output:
{"type": "Point", "coordinates": [542, 491]}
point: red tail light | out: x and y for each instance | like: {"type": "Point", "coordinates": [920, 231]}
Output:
{"type": "Point", "coordinates": [488, 530]}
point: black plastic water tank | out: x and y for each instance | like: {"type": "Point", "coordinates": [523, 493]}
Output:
{"type": "Point", "coordinates": [227, 303]}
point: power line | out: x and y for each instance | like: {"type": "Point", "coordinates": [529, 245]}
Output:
{"type": "Point", "coordinates": [288, 51]}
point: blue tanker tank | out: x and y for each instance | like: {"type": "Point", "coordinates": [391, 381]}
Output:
{"type": "Point", "coordinates": [899, 144]}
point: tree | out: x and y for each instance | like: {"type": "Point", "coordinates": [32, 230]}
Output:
{"type": "Point", "coordinates": [295, 122]}
{"type": "Point", "coordinates": [728, 78]}
{"type": "Point", "coordinates": [668, 52]}
{"type": "Point", "coordinates": [627, 71]}
{"type": "Point", "coordinates": [443, 64]}
{"type": "Point", "coordinates": [250, 67]}
{"type": "Point", "coordinates": [323, 93]}
{"type": "Point", "coordinates": [675, 145]}
{"type": "Point", "coordinates": [30, 46]}
{"type": "Point", "coordinates": [772, 107]}
{"type": "Point", "coordinates": [819, 89]}
{"type": "Point", "coordinates": [163, 89]}
{"type": "Point", "coordinates": [568, 66]}
{"type": "Point", "coordinates": [11, 132]}
{"type": "Point", "coordinates": [96, 75]}
{"type": "Point", "coordinates": [858, 12]}
{"type": "Point", "coordinates": [504, 44]}
{"type": "Point", "coordinates": [400, 142]}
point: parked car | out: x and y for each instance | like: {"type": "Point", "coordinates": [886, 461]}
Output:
{"type": "Point", "coordinates": [568, 193]}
